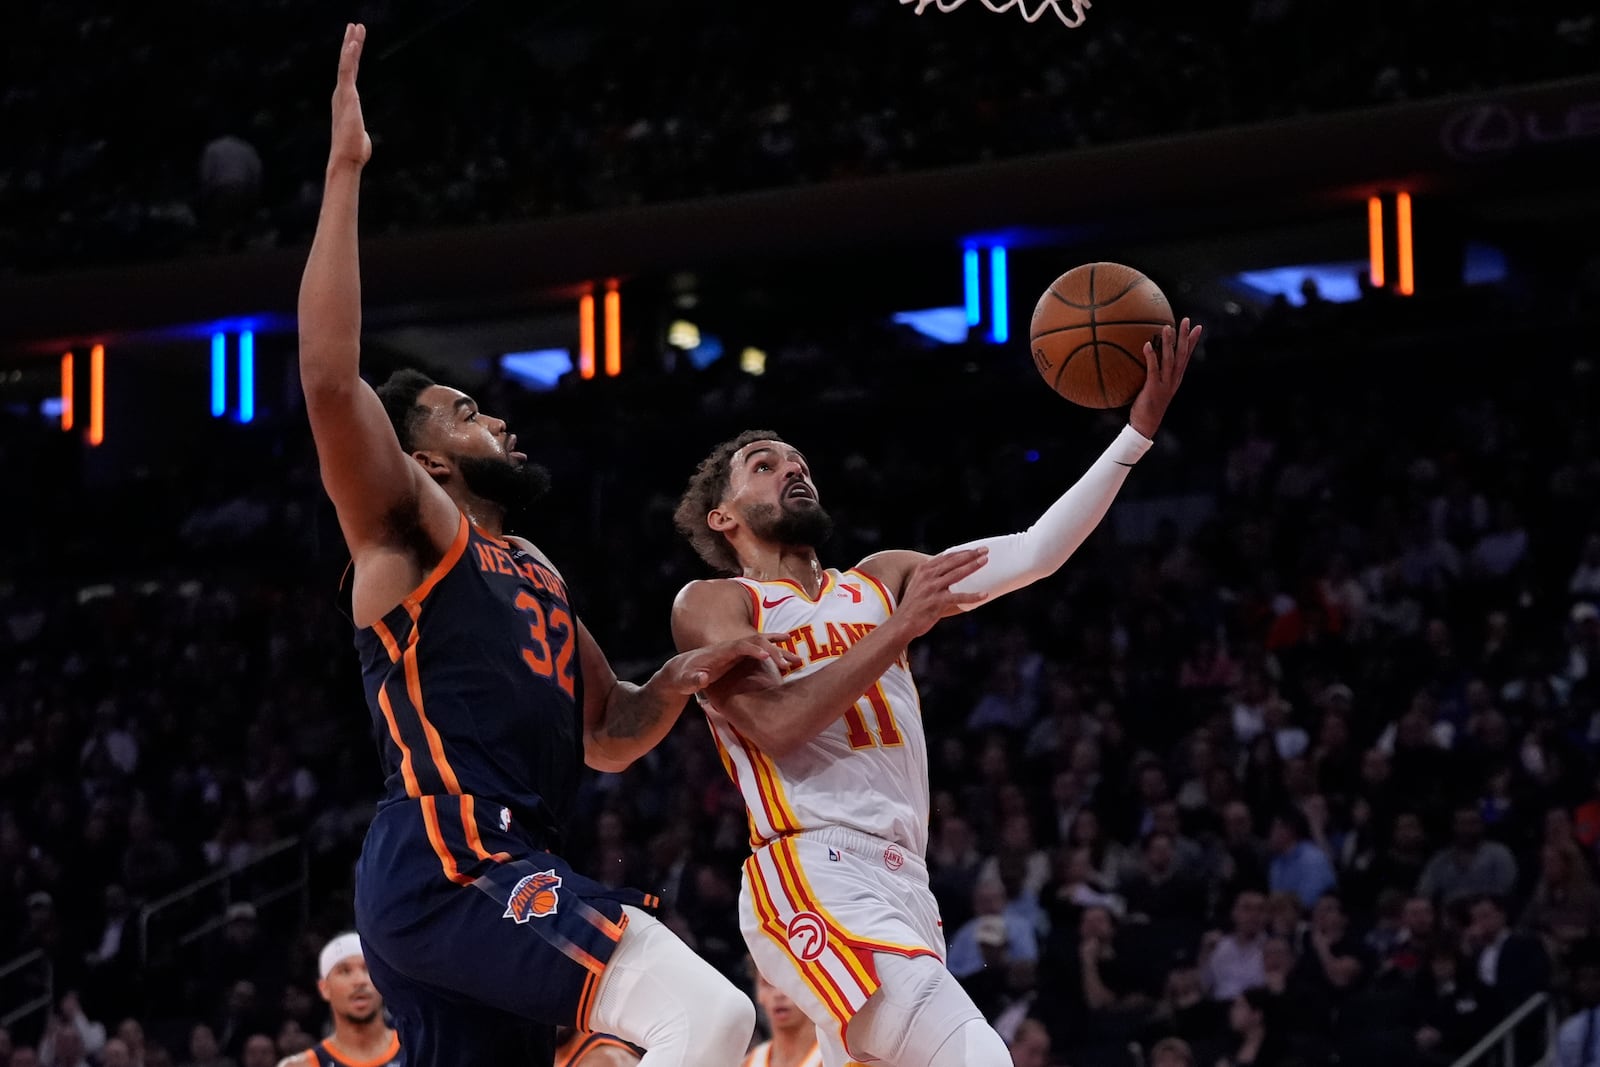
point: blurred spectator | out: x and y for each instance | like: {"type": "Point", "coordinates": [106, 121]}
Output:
{"type": "Point", "coordinates": [1565, 906]}
{"type": "Point", "coordinates": [203, 1049]}
{"type": "Point", "coordinates": [1258, 1035]}
{"type": "Point", "coordinates": [258, 1052]}
{"type": "Point", "coordinates": [1451, 1012]}
{"type": "Point", "coordinates": [989, 903]}
{"type": "Point", "coordinates": [1471, 866]}
{"type": "Point", "coordinates": [1232, 963]}
{"type": "Point", "coordinates": [1031, 1046]}
{"type": "Point", "coordinates": [1510, 966]}
{"type": "Point", "coordinates": [230, 185]}
{"type": "Point", "coordinates": [1298, 866]}
{"type": "Point", "coordinates": [1578, 1040]}
{"type": "Point", "coordinates": [72, 1038]}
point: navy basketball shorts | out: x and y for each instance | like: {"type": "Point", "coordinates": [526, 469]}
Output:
{"type": "Point", "coordinates": [480, 942]}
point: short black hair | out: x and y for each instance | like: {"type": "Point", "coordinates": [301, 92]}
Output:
{"type": "Point", "coordinates": [1495, 901]}
{"type": "Point", "coordinates": [706, 488]}
{"type": "Point", "coordinates": [1294, 820]}
{"type": "Point", "coordinates": [400, 395]}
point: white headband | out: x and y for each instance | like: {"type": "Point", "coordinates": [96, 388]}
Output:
{"type": "Point", "coordinates": [340, 948]}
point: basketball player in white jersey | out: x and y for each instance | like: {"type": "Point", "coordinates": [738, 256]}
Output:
{"type": "Point", "coordinates": [835, 905]}
{"type": "Point", "coordinates": [794, 1037]}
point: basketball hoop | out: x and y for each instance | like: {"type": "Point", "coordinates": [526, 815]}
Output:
{"type": "Point", "coordinates": [1071, 18]}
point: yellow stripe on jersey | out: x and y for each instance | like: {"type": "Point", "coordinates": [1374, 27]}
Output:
{"type": "Point", "coordinates": [812, 973]}
{"type": "Point", "coordinates": [733, 775]}
{"type": "Point", "coordinates": [805, 898]}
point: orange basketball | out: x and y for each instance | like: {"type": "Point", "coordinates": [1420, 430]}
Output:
{"type": "Point", "coordinates": [1089, 330]}
{"type": "Point", "coordinates": [544, 902]}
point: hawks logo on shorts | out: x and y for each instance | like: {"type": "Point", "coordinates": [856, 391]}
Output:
{"type": "Point", "coordinates": [534, 897]}
{"type": "Point", "coordinates": [808, 935]}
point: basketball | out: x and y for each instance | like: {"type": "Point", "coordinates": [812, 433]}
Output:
{"type": "Point", "coordinates": [1089, 331]}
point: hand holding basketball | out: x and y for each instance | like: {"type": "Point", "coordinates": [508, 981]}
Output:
{"type": "Point", "coordinates": [1163, 373]}
{"type": "Point", "coordinates": [351, 145]}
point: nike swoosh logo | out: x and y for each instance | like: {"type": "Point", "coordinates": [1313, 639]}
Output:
{"type": "Point", "coordinates": [769, 604]}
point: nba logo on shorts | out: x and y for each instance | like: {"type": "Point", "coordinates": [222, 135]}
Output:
{"type": "Point", "coordinates": [834, 854]}
{"type": "Point", "coordinates": [534, 897]}
{"type": "Point", "coordinates": [893, 858]}
{"type": "Point", "coordinates": [807, 935]}
{"type": "Point", "coordinates": [505, 818]}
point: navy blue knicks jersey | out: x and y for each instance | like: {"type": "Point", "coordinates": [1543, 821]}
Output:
{"type": "Point", "coordinates": [323, 1054]}
{"type": "Point", "coordinates": [476, 694]}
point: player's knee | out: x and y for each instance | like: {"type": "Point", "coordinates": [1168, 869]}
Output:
{"type": "Point", "coordinates": [921, 1017]}
{"type": "Point", "coordinates": [974, 1044]}
{"type": "Point", "coordinates": [729, 1020]}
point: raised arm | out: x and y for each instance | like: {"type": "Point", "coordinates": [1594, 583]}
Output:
{"type": "Point", "coordinates": [370, 480]}
{"type": "Point", "coordinates": [1020, 559]}
{"type": "Point", "coordinates": [623, 721]}
{"type": "Point", "coordinates": [781, 718]}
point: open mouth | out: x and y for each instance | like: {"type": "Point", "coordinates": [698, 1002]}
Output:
{"type": "Point", "coordinates": [799, 491]}
{"type": "Point", "coordinates": [511, 449]}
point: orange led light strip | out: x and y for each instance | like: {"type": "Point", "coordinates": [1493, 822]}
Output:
{"type": "Point", "coordinates": [66, 391]}
{"type": "Point", "coordinates": [586, 336]}
{"type": "Point", "coordinates": [97, 394]}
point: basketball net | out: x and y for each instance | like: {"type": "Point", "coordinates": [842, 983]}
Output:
{"type": "Point", "coordinates": [1071, 18]}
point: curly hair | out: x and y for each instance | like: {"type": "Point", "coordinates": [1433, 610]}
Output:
{"type": "Point", "coordinates": [400, 396]}
{"type": "Point", "coordinates": [707, 486]}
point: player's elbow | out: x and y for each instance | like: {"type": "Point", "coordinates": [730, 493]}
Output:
{"type": "Point", "coordinates": [765, 725]}
{"type": "Point", "coordinates": [778, 746]}
{"type": "Point", "coordinates": [603, 757]}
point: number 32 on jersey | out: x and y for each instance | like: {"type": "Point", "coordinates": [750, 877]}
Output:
{"type": "Point", "coordinates": [537, 655]}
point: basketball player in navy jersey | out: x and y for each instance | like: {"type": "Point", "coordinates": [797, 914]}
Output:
{"type": "Point", "coordinates": [488, 696]}
{"type": "Point", "coordinates": [361, 1037]}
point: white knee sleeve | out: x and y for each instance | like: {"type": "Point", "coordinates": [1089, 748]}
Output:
{"type": "Point", "coordinates": [662, 997]}
{"type": "Point", "coordinates": [975, 1044]}
{"type": "Point", "coordinates": [921, 1017]}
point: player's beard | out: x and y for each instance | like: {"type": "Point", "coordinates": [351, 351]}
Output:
{"type": "Point", "coordinates": [515, 487]}
{"type": "Point", "coordinates": [361, 1020]}
{"type": "Point", "coordinates": [783, 525]}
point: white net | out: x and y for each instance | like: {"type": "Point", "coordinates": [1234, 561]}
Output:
{"type": "Point", "coordinates": [1070, 12]}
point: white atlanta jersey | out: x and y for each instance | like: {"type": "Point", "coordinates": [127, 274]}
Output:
{"type": "Point", "coordinates": [867, 772]}
{"type": "Point", "coordinates": [761, 1056]}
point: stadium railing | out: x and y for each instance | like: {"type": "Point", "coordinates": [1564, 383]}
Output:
{"type": "Point", "coordinates": [1499, 1046]}
{"type": "Point", "coordinates": [184, 916]}
{"type": "Point", "coordinates": [15, 979]}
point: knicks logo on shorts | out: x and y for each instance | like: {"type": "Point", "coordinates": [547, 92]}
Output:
{"type": "Point", "coordinates": [534, 897]}
{"type": "Point", "coordinates": [807, 935]}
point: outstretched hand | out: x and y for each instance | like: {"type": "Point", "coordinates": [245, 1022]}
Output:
{"type": "Point", "coordinates": [690, 672]}
{"type": "Point", "coordinates": [351, 145]}
{"type": "Point", "coordinates": [928, 596]}
{"type": "Point", "coordinates": [1163, 373]}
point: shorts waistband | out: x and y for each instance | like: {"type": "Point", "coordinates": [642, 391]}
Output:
{"type": "Point", "coordinates": [897, 858]}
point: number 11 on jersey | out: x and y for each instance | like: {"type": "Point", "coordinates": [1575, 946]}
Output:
{"type": "Point", "coordinates": [855, 722]}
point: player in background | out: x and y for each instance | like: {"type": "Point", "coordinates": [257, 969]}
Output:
{"type": "Point", "coordinates": [487, 696]}
{"type": "Point", "coordinates": [835, 905]}
{"type": "Point", "coordinates": [361, 1037]}
{"type": "Point", "coordinates": [794, 1037]}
